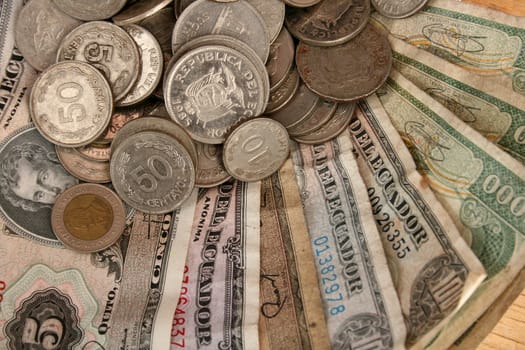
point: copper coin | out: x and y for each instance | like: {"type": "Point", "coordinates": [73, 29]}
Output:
{"type": "Point", "coordinates": [94, 152]}
{"type": "Point", "coordinates": [284, 93]}
{"type": "Point", "coordinates": [88, 218]}
{"type": "Point", "coordinates": [119, 118]}
{"type": "Point", "coordinates": [281, 59]}
{"type": "Point", "coordinates": [83, 168]}
{"type": "Point", "coordinates": [210, 169]}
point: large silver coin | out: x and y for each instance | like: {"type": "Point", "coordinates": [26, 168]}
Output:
{"type": "Point", "coordinates": [31, 177]}
{"type": "Point", "coordinates": [108, 48]}
{"type": "Point", "coordinates": [256, 149]}
{"type": "Point", "coordinates": [71, 103]}
{"type": "Point", "coordinates": [237, 19]}
{"type": "Point", "coordinates": [398, 9]}
{"type": "Point", "coordinates": [272, 11]}
{"type": "Point", "coordinates": [152, 172]}
{"type": "Point", "coordinates": [90, 10]}
{"type": "Point", "coordinates": [40, 27]}
{"type": "Point", "coordinates": [212, 88]}
{"type": "Point", "coordinates": [139, 10]}
{"type": "Point", "coordinates": [329, 23]}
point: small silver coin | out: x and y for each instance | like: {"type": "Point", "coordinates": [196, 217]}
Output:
{"type": "Point", "coordinates": [281, 59]}
{"type": "Point", "coordinates": [90, 10]}
{"type": "Point", "coordinates": [108, 48]}
{"type": "Point", "coordinates": [139, 10]}
{"type": "Point", "coordinates": [272, 11]}
{"type": "Point", "coordinates": [398, 9]}
{"type": "Point", "coordinates": [256, 149]}
{"type": "Point", "coordinates": [71, 103]}
{"type": "Point", "coordinates": [210, 170]}
{"type": "Point", "coordinates": [152, 172]}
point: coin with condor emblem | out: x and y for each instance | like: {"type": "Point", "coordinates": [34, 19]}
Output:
{"type": "Point", "coordinates": [88, 217]}
{"type": "Point", "coordinates": [208, 98]}
{"type": "Point", "coordinates": [398, 9]}
{"type": "Point", "coordinates": [90, 10]}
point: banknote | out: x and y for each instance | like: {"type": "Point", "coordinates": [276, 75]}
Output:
{"type": "Point", "coordinates": [121, 297]}
{"type": "Point", "coordinates": [491, 109]}
{"type": "Point", "coordinates": [513, 7]}
{"type": "Point", "coordinates": [360, 302]}
{"type": "Point", "coordinates": [291, 311]}
{"type": "Point", "coordinates": [480, 186]}
{"type": "Point", "coordinates": [434, 271]}
{"type": "Point", "coordinates": [476, 38]}
{"type": "Point", "coordinates": [218, 307]}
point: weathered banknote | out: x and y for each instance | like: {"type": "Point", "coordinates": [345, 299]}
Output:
{"type": "Point", "coordinates": [481, 40]}
{"type": "Point", "coordinates": [120, 298]}
{"type": "Point", "coordinates": [218, 306]}
{"type": "Point", "coordinates": [360, 302]}
{"type": "Point", "coordinates": [494, 111]}
{"type": "Point", "coordinates": [291, 311]}
{"type": "Point", "coordinates": [434, 271]}
{"type": "Point", "coordinates": [480, 186]}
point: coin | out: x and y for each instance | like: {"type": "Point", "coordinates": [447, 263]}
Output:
{"type": "Point", "coordinates": [31, 177]}
{"type": "Point", "coordinates": [91, 10]}
{"type": "Point", "coordinates": [256, 149]}
{"type": "Point", "coordinates": [208, 98]}
{"type": "Point", "coordinates": [97, 153]}
{"type": "Point", "coordinates": [301, 3]}
{"type": "Point", "coordinates": [272, 12]}
{"type": "Point", "coordinates": [302, 104]}
{"type": "Point", "coordinates": [82, 167]}
{"type": "Point", "coordinates": [88, 218]}
{"type": "Point", "coordinates": [349, 71]}
{"type": "Point", "coordinates": [319, 116]}
{"type": "Point", "coordinates": [108, 48]}
{"type": "Point", "coordinates": [398, 9]}
{"type": "Point", "coordinates": [328, 23]}
{"type": "Point", "coordinates": [281, 59]}
{"type": "Point", "coordinates": [237, 19]}
{"type": "Point", "coordinates": [40, 27]}
{"type": "Point", "coordinates": [119, 118]}
{"type": "Point", "coordinates": [71, 103]}
{"type": "Point", "coordinates": [151, 66]}
{"type": "Point", "coordinates": [210, 170]}
{"type": "Point", "coordinates": [152, 172]}
{"type": "Point", "coordinates": [281, 96]}
{"type": "Point", "coordinates": [139, 10]}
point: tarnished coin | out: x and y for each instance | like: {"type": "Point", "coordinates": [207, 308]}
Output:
{"type": "Point", "coordinates": [398, 9]}
{"type": "Point", "coordinates": [88, 218]}
{"type": "Point", "coordinates": [152, 172]}
{"type": "Point", "coordinates": [90, 10]}
{"type": "Point", "coordinates": [83, 168]}
{"type": "Point", "coordinates": [180, 5]}
{"type": "Point", "coordinates": [237, 19]}
{"type": "Point", "coordinates": [281, 59]}
{"type": "Point", "coordinates": [108, 48]}
{"type": "Point", "coordinates": [151, 65]}
{"type": "Point", "coordinates": [301, 105]}
{"type": "Point", "coordinates": [256, 149]}
{"type": "Point", "coordinates": [139, 10]}
{"type": "Point", "coordinates": [71, 103]}
{"type": "Point", "coordinates": [281, 96]}
{"type": "Point", "coordinates": [346, 72]}
{"type": "Point", "coordinates": [31, 177]}
{"type": "Point", "coordinates": [319, 116]}
{"type": "Point", "coordinates": [208, 98]}
{"type": "Point", "coordinates": [95, 152]}
{"type": "Point", "coordinates": [210, 170]}
{"type": "Point", "coordinates": [119, 118]}
{"type": "Point", "coordinates": [272, 11]}
{"type": "Point", "coordinates": [331, 22]}
{"type": "Point", "coordinates": [301, 3]}
{"type": "Point", "coordinates": [40, 27]}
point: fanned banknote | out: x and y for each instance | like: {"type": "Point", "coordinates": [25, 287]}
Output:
{"type": "Point", "coordinates": [219, 301]}
{"type": "Point", "coordinates": [121, 297]}
{"type": "Point", "coordinates": [434, 271]}
{"type": "Point", "coordinates": [360, 302]}
{"type": "Point", "coordinates": [481, 40]}
{"type": "Point", "coordinates": [291, 311]}
{"type": "Point", "coordinates": [480, 186]}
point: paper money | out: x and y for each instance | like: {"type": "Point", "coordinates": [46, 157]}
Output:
{"type": "Point", "coordinates": [291, 311]}
{"type": "Point", "coordinates": [360, 302]}
{"type": "Point", "coordinates": [434, 271]}
{"type": "Point", "coordinates": [476, 38]}
{"type": "Point", "coordinates": [480, 186]}
{"type": "Point", "coordinates": [218, 306]}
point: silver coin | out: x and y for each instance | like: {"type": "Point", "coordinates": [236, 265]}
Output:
{"type": "Point", "coordinates": [272, 11]}
{"type": "Point", "coordinates": [210, 170]}
{"type": "Point", "coordinates": [152, 64]}
{"type": "Point", "coordinates": [40, 27]}
{"type": "Point", "coordinates": [398, 9]}
{"type": "Point", "coordinates": [139, 10]}
{"type": "Point", "coordinates": [152, 172]}
{"type": "Point", "coordinates": [31, 178]}
{"type": "Point", "coordinates": [90, 10]}
{"type": "Point", "coordinates": [71, 103]}
{"type": "Point", "coordinates": [180, 5]}
{"type": "Point", "coordinates": [302, 104]}
{"type": "Point", "coordinates": [281, 59]}
{"type": "Point", "coordinates": [281, 96]}
{"type": "Point", "coordinates": [237, 19]}
{"type": "Point", "coordinates": [301, 3]}
{"type": "Point", "coordinates": [212, 88]}
{"type": "Point", "coordinates": [108, 48]}
{"type": "Point", "coordinates": [256, 149]}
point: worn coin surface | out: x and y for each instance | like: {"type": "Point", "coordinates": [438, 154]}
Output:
{"type": "Point", "coordinates": [96, 152]}
{"type": "Point", "coordinates": [210, 170]}
{"type": "Point", "coordinates": [40, 27]}
{"type": "Point", "coordinates": [302, 104]}
{"type": "Point", "coordinates": [272, 11]}
{"type": "Point", "coordinates": [256, 149]}
{"type": "Point", "coordinates": [71, 103]}
{"type": "Point", "coordinates": [119, 118]}
{"type": "Point", "coordinates": [349, 71]}
{"type": "Point", "coordinates": [107, 47]}
{"type": "Point", "coordinates": [319, 116]}
{"type": "Point", "coordinates": [237, 19]}
{"type": "Point", "coordinates": [139, 10]}
{"type": "Point", "coordinates": [301, 3]}
{"type": "Point", "coordinates": [281, 59]}
{"type": "Point", "coordinates": [152, 172]}
{"type": "Point", "coordinates": [213, 87]}
{"type": "Point", "coordinates": [281, 96]}
{"type": "Point", "coordinates": [398, 9]}
{"type": "Point", "coordinates": [328, 23]}
{"type": "Point", "coordinates": [83, 168]}
{"type": "Point", "coordinates": [151, 66]}
{"type": "Point", "coordinates": [88, 217]}
{"type": "Point", "coordinates": [91, 10]}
